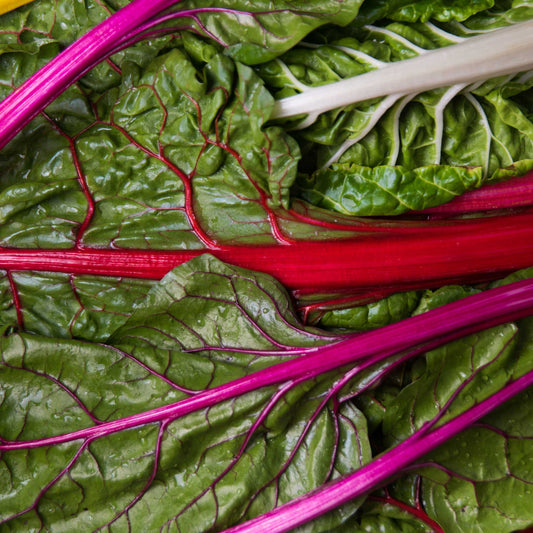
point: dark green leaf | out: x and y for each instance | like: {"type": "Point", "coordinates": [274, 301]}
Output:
{"type": "Point", "coordinates": [209, 469]}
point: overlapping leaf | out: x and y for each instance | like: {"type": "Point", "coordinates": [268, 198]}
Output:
{"type": "Point", "coordinates": [445, 10]}
{"type": "Point", "coordinates": [255, 33]}
{"type": "Point", "coordinates": [166, 147]}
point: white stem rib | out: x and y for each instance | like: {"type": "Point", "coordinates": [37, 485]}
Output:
{"type": "Point", "coordinates": [501, 52]}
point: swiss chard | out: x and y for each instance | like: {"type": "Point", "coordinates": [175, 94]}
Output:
{"type": "Point", "coordinates": [187, 162]}
{"type": "Point", "coordinates": [385, 156]}
{"type": "Point", "coordinates": [201, 401]}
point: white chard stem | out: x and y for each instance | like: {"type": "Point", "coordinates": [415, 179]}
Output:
{"type": "Point", "coordinates": [504, 51]}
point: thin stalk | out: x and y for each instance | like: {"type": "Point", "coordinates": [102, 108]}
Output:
{"type": "Point", "coordinates": [503, 51]}
{"type": "Point", "coordinates": [427, 331]}
{"type": "Point", "coordinates": [510, 194]}
{"type": "Point", "coordinates": [329, 497]}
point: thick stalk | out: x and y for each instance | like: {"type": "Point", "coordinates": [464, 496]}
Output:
{"type": "Point", "coordinates": [510, 194]}
{"type": "Point", "coordinates": [503, 51]}
{"type": "Point", "coordinates": [460, 251]}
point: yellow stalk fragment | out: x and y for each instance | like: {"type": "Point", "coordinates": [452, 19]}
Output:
{"type": "Point", "coordinates": [9, 5]}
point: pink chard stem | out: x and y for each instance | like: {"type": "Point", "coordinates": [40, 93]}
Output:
{"type": "Point", "coordinates": [44, 86]}
{"type": "Point", "coordinates": [381, 469]}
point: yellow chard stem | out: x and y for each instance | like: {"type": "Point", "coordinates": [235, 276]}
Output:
{"type": "Point", "coordinates": [9, 5]}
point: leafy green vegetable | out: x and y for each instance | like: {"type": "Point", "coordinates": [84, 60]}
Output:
{"type": "Point", "coordinates": [252, 33]}
{"type": "Point", "coordinates": [443, 10]}
{"type": "Point", "coordinates": [169, 145]}
{"type": "Point", "coordinates": [160, 355]}
{"type": "Point", "coordinates": [372, 315]}
{"type": "Point", "coordinates": [353, 189]}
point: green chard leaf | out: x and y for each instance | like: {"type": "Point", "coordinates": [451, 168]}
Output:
{"type": "Point", "coordinates": [391, 190]}
{"type": "Point", "coordinates": [372, 311]}
{"type": "Point", "coordinates": [176, 156]}
{"type": "Point", "coordinates": [407, 10]}
{"type": "Point", "coordinates": [206, 324]}
{"type": "Point", "coordinates": [67, 305]}
{"type": "Point", "coordinates": [371, 315]}
{"type": "Point", "coordinates": [442, 10]}
{"type": "Point", "coordinates": [253, 33]}
{"type": "Point", "coordinates": [478, 481]}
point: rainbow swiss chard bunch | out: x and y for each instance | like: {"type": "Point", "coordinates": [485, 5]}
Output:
{"type": "Point", "coordinates": [207, 399]}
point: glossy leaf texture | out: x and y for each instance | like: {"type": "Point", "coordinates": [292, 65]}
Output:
{"type": "Point", "coordinates": [406, 10]}
{"type": "Point", "coordinates": [443, 10]}
{"type": "Point", "coordinates": [360, 316]}
{"type": "Point", "coordinates": [386, 310]}
{"type": "Point", "coordinates": [174, 157]}
{"type": "Point", "coordinates": [405, 152]}
{"type": "Point", "coordinates": [480, 480]}
{"type": "Point", "coordinates": [206, 470]}
{"type": "Point", "coordinates": [67, 305]}
{"type": "Point", "coordinates": [168, 146]}
{"type": "Point", "coordinates": [178, 155]}
{"type": "Point", "coordinates": [255, 33]}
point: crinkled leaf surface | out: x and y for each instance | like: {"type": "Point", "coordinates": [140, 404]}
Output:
{"type": "Point", "coordinates": [387, 517]}
{"type": "Point", "coordinates": [444, 10]}
{"type": "Point", "coordinates": [393, 190]}
{"type": "Point", "coordinates": [167, 147]}
{"type": "Point", "coordinates": [208, 469]}
{"type": "Point", "coordinates": [67, 305]}
{"type": "Point", "coordinates": [174, 157]}
{"type": "Point", "coordinates": [478, 481]}
{"type": "Point", "coordinates": [380, 312]}
{"type": "Point", "coordinates": [112, 161]}
{"type": "Point", "coordinates": [255, 32]}
{"type": "Point", "coordinates": [482, 480]}
{"type": "Point", "coordinates": [372, 315]}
